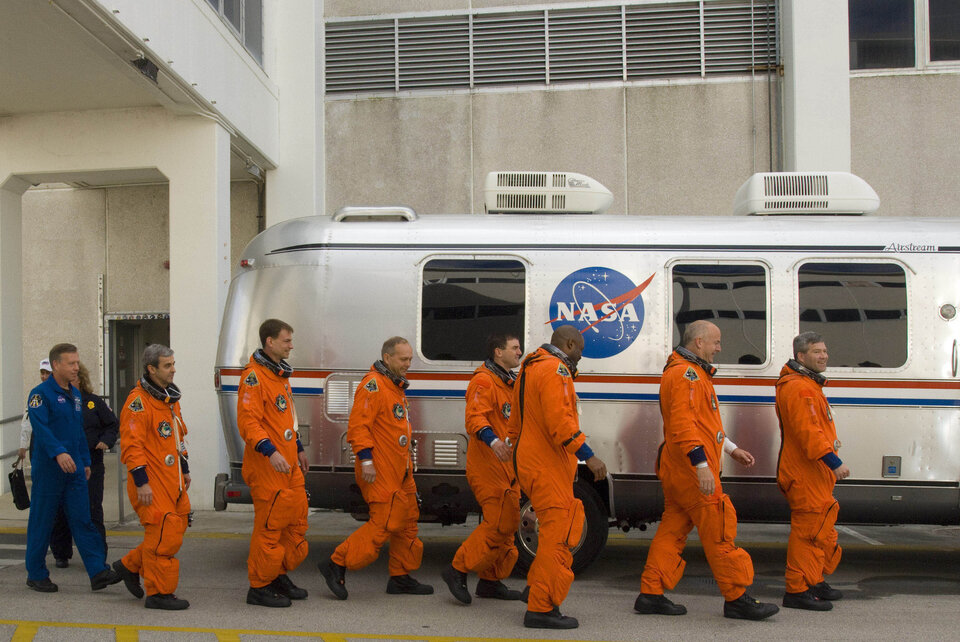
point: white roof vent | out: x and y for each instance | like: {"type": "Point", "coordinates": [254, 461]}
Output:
{"type": "Point", "coordinates": [544, 193]}
{"type": "Point", "coordinates": [805, 193]}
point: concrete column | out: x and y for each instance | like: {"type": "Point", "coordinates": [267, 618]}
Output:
{"type": "Point", "coordinates": [11, 327]}
{"type": "Point", "coordinates": [816, 91]}
{"type": "Point", "coordinates": [199, 278]}
{"type": "Point", "coordinates": [296, 187]}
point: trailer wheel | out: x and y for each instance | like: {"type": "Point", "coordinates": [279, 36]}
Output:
{"type": "Point", "coordinates": [594, 538]}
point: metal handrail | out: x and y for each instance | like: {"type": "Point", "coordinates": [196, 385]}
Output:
{"type": "Point", "coordinates": [10, 419]}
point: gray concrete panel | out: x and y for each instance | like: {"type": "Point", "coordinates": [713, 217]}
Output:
{"type": "Point", "coordinates": [690, 147]}
{"type": "Point", "coordinates": [399, 151]}
{"type": "Point", "coordinates": [574, 130]}
{"type": "Point", "coordinates": [243, 219]}
{"type": "Point", "coordinates": [486, 4]}
{"type": "Point", "coordinates": [904, 133]}
{"type": "Point", "coordinates": [138, 244]}
{"type": "Point", "coordinates": [344, 8]}
{"type": "Point", "coordinates": [63, 252]}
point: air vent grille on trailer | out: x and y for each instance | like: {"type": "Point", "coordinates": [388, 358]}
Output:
{"type": "Point", "coordinates": [805, 193]}
{"type": "Point", "coordinates": [544, 193]}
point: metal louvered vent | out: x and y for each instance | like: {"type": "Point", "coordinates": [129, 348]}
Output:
{"type": "Point", "coordinates": [586, 44]}
{"type": "Point", "coordinates": [663, 40]}
{"type": "Point", "coordinates": [434, 52]}
{"type": "Point", "coordinates": [361, 56]}
{"type": "Point", "coordinates": [509, 48]}
{"type": "Point", "coordinates": [524, 179]}
{"type": "Point", "coordinates": [559, 180]}
{"type": "Point", "coordinates": [338, 396]}
{"type": "Point", "coordinates": [796, 205]}
{"type": "Point", "coordinates": [796, 185]}
{"type": "Point", "coordinates": [522, 201]}
{"type": "Point", "coordinates": [559, 201]}
{"type": "Point", "coordinates": [446, 452]}
{"type": "Point", "coordinates": [738, 37]}
{"type": "Point", "coordinates": [599, 43]}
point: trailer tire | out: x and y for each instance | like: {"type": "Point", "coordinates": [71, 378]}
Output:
{"type": "Point", "coordinates": [594, 538]}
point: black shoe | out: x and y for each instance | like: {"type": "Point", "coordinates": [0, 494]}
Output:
{"type": "Point", "coordinates": [285, 586]}
{"type": "Point", "coordinates": [334, 574]}
{"type": "Point", "coordinates": [649, 603]}
{"type": "Point", "coordinates": [457, 583]}
{"type": "Point", "coordinates": [497, 590]}
{"type": "Point", "coordinates": [62, 562]}
{"type": "Point", "coordinates": [550, 620]}
{"type": "Point", "coordinates": [104, 578]}
{"type": "Point", "coordinates": [824, 591]}
{"type": "Point", "coordinates": [267, 596]}
{"type": "Point", "coordinates": [130, 579]}
{"type": "Point", "coordinates": [525, 594]}
{"type": "Point", "coordinates": [165, 602]}
{"type": "Point", "coordinates": [44, 585]}
{"type": "Point", "coordinates": [407, 585]}
{"type": "Point", "coordinates": [805, 600]}
{"type": "Point", "coordinates": [747, 608]}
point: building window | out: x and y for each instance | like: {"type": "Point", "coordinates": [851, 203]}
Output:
{"type": "Point", "coordinates": [734, 298]}
{"type": "Point", "coordinates": [464, 301]}
{"type": "Point", "coordinates": [903, 34]}
{"type": "Point", "coordinates": [245, 19]}
{"type": "Point", "coordinates": [616, 42]}
{"type": "Point", "coordinates": [944, 30]}
{"type": "Point", "coordinates": [881, 34]}
{"type": "Point", "coordinates": [860, 309]}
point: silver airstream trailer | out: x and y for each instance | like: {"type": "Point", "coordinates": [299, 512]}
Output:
{"type": "Point", "coordinates": [883, 291]}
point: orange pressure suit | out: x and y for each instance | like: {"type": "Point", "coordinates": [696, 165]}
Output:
{"type": "Point", "coordinates": [153, 450]}
{"type": "Point", "coordinates": [490, 551]}
{"type": "Point", "coordinates": [379, 421]}
{"type": "Point", "coordinates": [691, 420]}
{"type": "Point", "coordinates": [807, 433]}
{"type": "Point", "coordinates": [546, 431]}
{"type": "Point", "coordinates": [266, 418]}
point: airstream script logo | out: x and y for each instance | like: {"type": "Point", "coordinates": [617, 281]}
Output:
{"type": "Point", "coordinates": [909, 247]}
{"type": "Point", "coordinates": [604, 305]}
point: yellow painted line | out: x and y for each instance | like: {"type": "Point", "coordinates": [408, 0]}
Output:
{"type": "Point", "coordinates": [127, 632]}
{"type": "Point", "coordinates": [24, 632]}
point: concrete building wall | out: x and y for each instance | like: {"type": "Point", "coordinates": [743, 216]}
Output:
{"type": "Point", "coordinates": [71, 236]}
{"type": "Point", "coordinates": [661, 149]}
{"type": "Point", "coordinates": [349, 8]}
{"type": "Point", "coordinates": [904, 133]}
{"type": "Point", "coordinates": [64, 251]}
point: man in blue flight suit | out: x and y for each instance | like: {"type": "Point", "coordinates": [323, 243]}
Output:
{"type": "Point", "coordinates": [59, 444]}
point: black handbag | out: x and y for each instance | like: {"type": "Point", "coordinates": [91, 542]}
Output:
{"type": "Point", "coordinates": [18, 486]}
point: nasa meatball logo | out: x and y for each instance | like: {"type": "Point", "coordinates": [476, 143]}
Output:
{"type": "Point", "coordinates": [604, 305]}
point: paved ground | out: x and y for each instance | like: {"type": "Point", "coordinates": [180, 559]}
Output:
{"type": "Point", "coordinates": [900, 582]}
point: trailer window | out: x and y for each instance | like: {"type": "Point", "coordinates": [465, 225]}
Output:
{"type": "Point", "coordinates": [734, 297]}
{"type": "Point", "coordinates": [860, 309]}
{"type": "Point", "coordinates": [465, 301]}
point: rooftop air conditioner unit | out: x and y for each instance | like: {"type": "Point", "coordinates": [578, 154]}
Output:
{"type": "Point", "coordinates": [544, 193]}
{"type": "Point", "coordinates": [838, 193]}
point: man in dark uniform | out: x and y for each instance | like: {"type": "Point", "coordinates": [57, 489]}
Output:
{"type": "Point", "coordinates": [59, 445]}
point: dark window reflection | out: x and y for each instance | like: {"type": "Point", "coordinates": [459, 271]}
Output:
{"type": "Point", "coordinates": [881, 34]}
{"type": "Point", "coordinates": [734, 298]}
{"type": "Point", "coordinates": [944, 30]}
{"type": "Point", "coordinates": [859, 308]}
{"type": "Point", "coordinates": [465, 301]}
